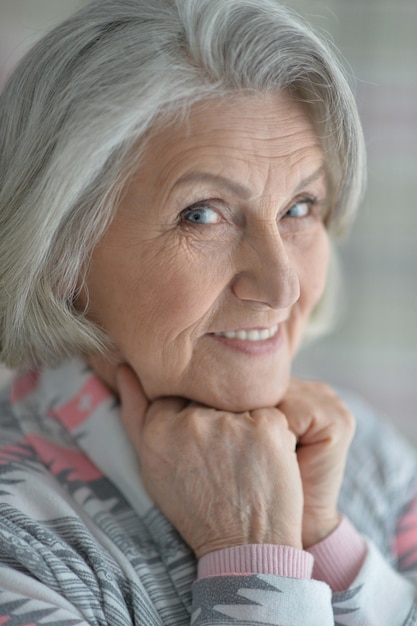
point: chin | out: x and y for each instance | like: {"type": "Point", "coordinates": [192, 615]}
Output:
{"type": "Point", "coordinates": [247, 399]}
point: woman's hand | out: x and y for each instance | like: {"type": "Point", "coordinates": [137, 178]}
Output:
{"type": "Point", "coordinates": [324, 428]}
{"type": "Point", "coordinates": [222, 479]}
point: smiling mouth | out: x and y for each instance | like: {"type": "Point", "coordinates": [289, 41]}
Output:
{"type": "Point", "coordinates": [250, 335]}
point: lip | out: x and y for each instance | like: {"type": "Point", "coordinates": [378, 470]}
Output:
{"type": "Point", "coordinates": [251, 348]}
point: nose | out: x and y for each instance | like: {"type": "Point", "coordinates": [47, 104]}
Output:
{"type": "Point", "coordinates": [265, 274]}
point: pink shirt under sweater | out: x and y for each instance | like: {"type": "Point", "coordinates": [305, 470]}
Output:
{"type": "Point", "coordinates": [336, 560]}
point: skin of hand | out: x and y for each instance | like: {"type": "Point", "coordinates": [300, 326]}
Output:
{"type": "Point", "coordinates": [222, 479]}
{"type": "Point", "coordinates": [324, 428]}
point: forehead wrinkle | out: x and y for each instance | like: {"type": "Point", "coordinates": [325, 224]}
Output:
{"type": "Point", "coordinates": [228, 184]}
{"type": "Point", "coordinates": [278, 139]}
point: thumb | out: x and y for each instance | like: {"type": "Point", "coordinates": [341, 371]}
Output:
{"type": "Point", "coordinates": [133, 401]}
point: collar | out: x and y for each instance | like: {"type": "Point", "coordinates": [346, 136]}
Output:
{"type": "Point", "coordinates": [71, 400]}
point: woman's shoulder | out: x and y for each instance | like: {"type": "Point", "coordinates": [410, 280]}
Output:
{"type": "Point", "coordinates": [381, 473]}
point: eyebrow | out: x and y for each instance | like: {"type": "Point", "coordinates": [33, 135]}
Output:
{"type": "Point", "coordinates": [320, 172]}
{"type": "Point", "coordinates": [237, 188]}
{"type": "Point", "coordinates": [227, 183]}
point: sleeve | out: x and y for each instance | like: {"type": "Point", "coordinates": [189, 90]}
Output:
{"type": "Point", "coordinates": [339, 557]}
{"type": "Point", "coordinates": [260, 584]}
{"type": "Point", "coordinates": [232, 587]}
{"type": "Point", "coordinates": [379, 595]}
{"type": "Point", "coordinates": [367, 590]}
{"type": "Point", "coordinates": [261, 599]}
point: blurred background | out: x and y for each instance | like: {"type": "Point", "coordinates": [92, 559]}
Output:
{"type": "Point", "coordinates": [374, 348]}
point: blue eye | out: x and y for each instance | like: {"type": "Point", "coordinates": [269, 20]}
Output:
{"type": "Point", "coordinates": [299, 209]}
{"type": "Point", "coordinates": [202, 215]}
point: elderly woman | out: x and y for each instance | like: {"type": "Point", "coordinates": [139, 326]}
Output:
{"type": "Point", "coordinates": [171, 173]}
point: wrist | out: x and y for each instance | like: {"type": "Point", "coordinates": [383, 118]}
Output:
{"type": "Point", "coordinates": [287, 536]}
{"type": "Point", "coordinates": [318, 527]}
{"type": "Point", "coordinates": [218, 546]}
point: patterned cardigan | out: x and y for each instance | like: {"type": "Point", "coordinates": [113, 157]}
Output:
{"type": "Point", "coordinates": [81, 543]}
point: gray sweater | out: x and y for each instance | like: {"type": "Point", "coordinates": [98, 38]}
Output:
{"type": "Point", "coordinates": [81, 543]}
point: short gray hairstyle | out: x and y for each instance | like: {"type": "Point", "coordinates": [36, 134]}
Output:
{"type": "Point", "coordinates": [73, 116]}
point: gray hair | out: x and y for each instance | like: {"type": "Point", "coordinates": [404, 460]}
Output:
{"type": "Point", "coordinates": [73, 117]}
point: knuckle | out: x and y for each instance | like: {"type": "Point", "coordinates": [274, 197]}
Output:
{"type": "Point", "coordinates": [343, 427]}
{"type": "Point", "coordinates": [271, 426]}
{"type": "Point", "coordinates": [268, 417]}
{"type": "Point", "coordinates": [259, 416]}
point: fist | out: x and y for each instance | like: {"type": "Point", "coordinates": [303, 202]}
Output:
{"type": "Point", "coordinates": [324, 428]}
{"type": "Point", "coordinates": [222, 479]}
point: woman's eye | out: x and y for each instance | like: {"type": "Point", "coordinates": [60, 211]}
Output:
{"type": "Point", "coordinates": [201, 215]}
{"type": "Point", "coordinates": [299, 209]}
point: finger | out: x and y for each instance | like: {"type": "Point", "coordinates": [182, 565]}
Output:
{"type": "Point", "coordinates": [309, 406]}
{"type": "Point", "coordinates": [318, 415]}
{"type": "Point", "coordinates": [168, 407]}
{"type": "Point", "coordinates": [275, 423]}
{"type": "Point", "coordinates": [299, 415]}
{"type": "Point", "coordinates": [134, 403]}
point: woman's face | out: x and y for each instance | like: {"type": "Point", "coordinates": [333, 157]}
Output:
{"type": "Point", "coordinates": [217, 255]}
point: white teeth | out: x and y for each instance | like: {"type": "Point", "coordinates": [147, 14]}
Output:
{"type": "Point", "coordinates": [250, 335]}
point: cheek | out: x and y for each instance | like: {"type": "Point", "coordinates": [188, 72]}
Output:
{"type": "Point", "coordinates": [174, 307]}
{"type": "Point", "coordinates": [166, 293]}
{"type": "Point", "coordinates": [313, 265]}
{"type": "Point", "coordinates": [176, 290]}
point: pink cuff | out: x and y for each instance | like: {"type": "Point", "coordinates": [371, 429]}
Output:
{"type": "Point", "coordinates": [257, 559]}
{"type": "Point", "coordinates": [339, 557]}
